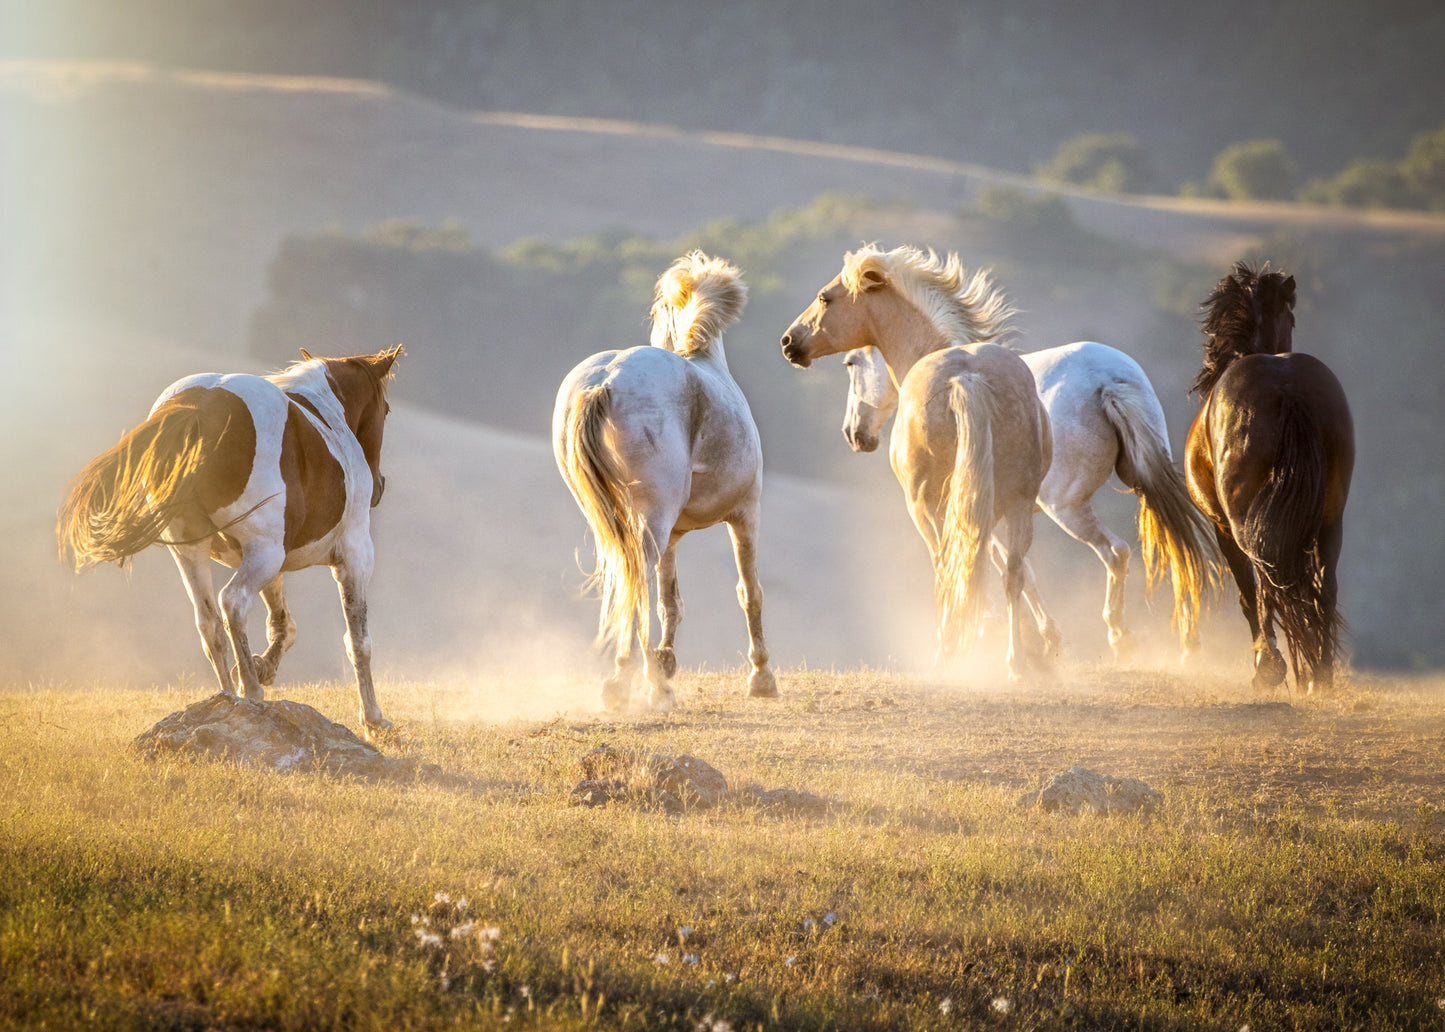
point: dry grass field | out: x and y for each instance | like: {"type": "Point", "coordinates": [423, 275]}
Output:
{"type": "Point", "coordinates": [1293, 878]}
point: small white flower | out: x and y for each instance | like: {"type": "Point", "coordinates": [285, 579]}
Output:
{"type": "Point", "coordinates": [446, 983]}
{"type": "Point", "coordinates": [442, 897]}
{"type": "Point", "coordinates": [462, 903]}
{"type": "Point", "coordinates": [730, 978]}
{"type": "Point", "coordinates": [526, 992]}
{"type": "Point", "coordinates": [807, 924]}
{"type": "Point", "coordinates": [684, 931]}
{"type": "Point", "coordinates": [689, 958]}
{"type": "Point", "coordinates": [711, 983]}
{"type": "Point", "coordinates": [661, 958]}
{"type": "Point", "coordinates": [489, 936]}
{"type": "Point", "coordinates": [790, 961]}
{"type": "Point", "coordinates": [463, 930]}
{"type": "Point", "coordinates": [946, 1007]}
{"type": "Point", "coordinates": [418, 919]}
{"type": "Point", "coordinates": [427, 938]}
{"type": "Point", "coordinates": [1002, 1004]}
{"type": "Point", "coordinates": [830, 919]}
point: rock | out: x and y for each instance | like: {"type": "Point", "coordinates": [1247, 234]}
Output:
{"type": "Point", "coordinates": [609, 774]}
{"type": "Point", "coordinates": [786, 799]}
{"type": "Point", "coordinates": [1080, 790]}
{"type": "Point", "coordinates": [282, 736]}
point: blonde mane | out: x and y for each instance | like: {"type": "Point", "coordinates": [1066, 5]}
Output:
{"type": "Point", "coordinates": [697, 298]}
{"type": "Point", "coordinates": [964, 308]}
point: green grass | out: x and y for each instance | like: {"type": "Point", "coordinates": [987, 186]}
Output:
{"type": "Point", "coordinates": [1294, 878]}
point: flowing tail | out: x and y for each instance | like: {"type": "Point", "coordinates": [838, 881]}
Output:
{"type": "Point", "coordinates": [621, 574]}
{"type": "Point", "coordinates": [1174, 536]}
{"type": "Point", "coordinates": [124, 499]}
{"type": "Point", "coordinates": [968, 515]}
{"type": "Point", "coordinates": [1280, 535]}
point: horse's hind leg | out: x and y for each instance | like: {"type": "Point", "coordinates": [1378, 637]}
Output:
{"type": "Point", "coordinates": [669, 606]}
{"type": "Point", "coordinates": [280, 631]}
{"type": "Point", "coordinates": [1080, 522]}
{"type": "Point", "coordinates": [1048, 629]}
{"type": "Point", "coordinates": [260, 564]}
{"type": "Point", "coordinates": [1017, 531]}
{"type": "Point", "coordinates": [194, 561]}
{"type": "Point", "coordinates": [1269, 665]}
{"type": "Point", "coordinates": [1328, 549]}
{"type": "Point", "coordinates": [743, 530]}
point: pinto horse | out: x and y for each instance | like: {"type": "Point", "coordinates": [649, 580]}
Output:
{"type": "Point", "coordinates": [265, 475]}
{"type": "Point", "coordinates": [1105, 419]}
{"type": "Point", "coordinates": [653, 442]}
{"type": "Point", "coordinates": [1269, 460]}
{"type": "Point", "coordinates": [971, 443]}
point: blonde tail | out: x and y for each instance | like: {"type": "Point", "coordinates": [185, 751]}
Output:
{"type": "Point", "coordinates": [968, 515]}
{"type": "Point", "coordinates": [124, 499]}
{"type": "Point", "coordinates": [1174, 536]}
{"type": "Point", "coordinates": [620, 577]}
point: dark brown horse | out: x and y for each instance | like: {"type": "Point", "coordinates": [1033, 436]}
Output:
{"type": "Point", "coordinates": [1268, 460]}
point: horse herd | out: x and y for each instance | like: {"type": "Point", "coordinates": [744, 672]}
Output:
{"type": "Point", "coordinates": [277, 473]}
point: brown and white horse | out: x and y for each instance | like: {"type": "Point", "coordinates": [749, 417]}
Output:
{"type": "Point", "coordinates": [971, 443]}
{"type": "Point", "coordinates": [264, 474]}
{"type": "Point", "coordinates": [655, 442]}
{"type": "Point", "coordinates": [1269, 460]}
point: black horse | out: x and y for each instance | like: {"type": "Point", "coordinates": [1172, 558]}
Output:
{"type": "Point", "coordinates": [1268, 460]}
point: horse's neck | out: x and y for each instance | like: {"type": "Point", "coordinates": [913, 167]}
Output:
{"type": "Point", "coordinates": [906, 335]}
{"type": "Point", "coordinates": [714, 358]}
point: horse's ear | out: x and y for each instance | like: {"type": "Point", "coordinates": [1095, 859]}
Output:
{"type": "Point", "coordinates": [872, 279]}
{"type": "Point", "coordinates": [1288, 290]}
{"type": "Point", "coordinates": [305, 355]}
{"type": "Point", "coordinates": [383, 360]}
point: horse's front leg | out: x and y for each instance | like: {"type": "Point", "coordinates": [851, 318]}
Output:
{"type": "Point", "coordinates": [280, 631]}
{"type": "Point", "coordinates": [194, 562]}
{"type": "Point", "coordinates": [353, 576]}
{"type": "Point", "coordinates": [260, 564]}
{"type": "Point", "coordinates": [744, 532]}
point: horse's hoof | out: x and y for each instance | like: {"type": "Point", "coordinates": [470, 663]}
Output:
{"type": "Point", "coordinates": [762, 685]}
{"type": "Point", "coordinates": [1124, 646]}
{"type": "Point", "coordinates": [662, 699]}
{"type": "Point", "coordinates": [1269, 670]}
{"type": "Point", "coordinates": [667, 660]}
{"type": "Point", "coordinates": [614, 694]}
{"type": "Point", "coordinates": [257, 694]}
{"type": "Point", "coordinates": [371, 730]}
{"type": "Point", "coordinates": [265, 672]}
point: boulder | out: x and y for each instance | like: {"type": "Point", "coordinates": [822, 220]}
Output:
{"type": "Point", "coordinates": [1080, 790]}
{"type": "Point", "coordinates": [283, 736]}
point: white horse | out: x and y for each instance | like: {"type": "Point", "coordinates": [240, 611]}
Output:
{"type": "Point", "coordinates": [263, 474]}
{"type": "Point", "coordinates": [654, 442]}
{"type": "Point", "coordinates": [972, 442]}
{"type": "Point", "coordinates": [1106, 419]}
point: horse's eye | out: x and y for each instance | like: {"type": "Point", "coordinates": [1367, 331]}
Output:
{"type": "Point", "coordinates": [822, 299]}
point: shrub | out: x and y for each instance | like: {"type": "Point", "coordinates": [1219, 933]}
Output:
{"type": "Point", "coordinates": [1104, 161]}
{"type": "Point", "coordinates": [1367, 183]}
{"type": "Point", "coordinates": [1423, 169]}
{"type": "Point", "coordinates": [1254, 170]}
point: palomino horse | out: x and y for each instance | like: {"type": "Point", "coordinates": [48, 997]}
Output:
{"type": "Point", "coordinates": [971, 444]}
{"type": "Point", "coordinates": [1105, 418]}
{"type": "Point", "coordinates": [653, 442]}
{"type": "Point", "coordinates": [264, 474]}
{"type": "Point", "coordinates": [1269, 460]}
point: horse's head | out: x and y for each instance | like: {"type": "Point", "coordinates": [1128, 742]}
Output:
{"type": "Point", "coordinates": [838, 320]}
{"type": "Point", "coordinates": [359, 383]}
{"type": "Point", "coordinates": [1249, 312]}
{"type": "Point", "coordinates": [872, 398]}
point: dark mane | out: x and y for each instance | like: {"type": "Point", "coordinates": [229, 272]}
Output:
{"type": "Point", "coordinates": [1250, 312]}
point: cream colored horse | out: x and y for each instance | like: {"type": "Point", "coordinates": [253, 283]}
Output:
{"type": "Point", "coordinates": [655, 442]}
{"type": "Point", "coordinates": [1105, 419]}
{"type": "Point", "coordinates": [971, 443]}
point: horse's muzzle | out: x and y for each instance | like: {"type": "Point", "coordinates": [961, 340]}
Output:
{"type": "Point", "coordinates": [859, 441]}
{"type": "Point", "coordinates": [378, 488]}
{"type": "Point", "coordinates": [795, 351]}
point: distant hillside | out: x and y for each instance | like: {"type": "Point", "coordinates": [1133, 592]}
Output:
{"type": "Point", "coordinates": [142, 204]}
{"type": "Point", "coordinates": [999, 83]}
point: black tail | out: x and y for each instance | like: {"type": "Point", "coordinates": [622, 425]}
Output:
{"type": "Point", "coordinates": [1281, 536]}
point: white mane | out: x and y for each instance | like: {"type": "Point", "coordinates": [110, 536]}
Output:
{"type": "Point", "coordinates": [965, 308]}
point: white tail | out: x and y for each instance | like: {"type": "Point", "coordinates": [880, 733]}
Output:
{"type": "Point", "coordinates": [960, 562]}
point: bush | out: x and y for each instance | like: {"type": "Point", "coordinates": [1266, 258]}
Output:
{"type": "Point", "coordinates": [1423, 169]}
{"type": "Point", "coordinates": [1254, 170]}
{"type": "Point", "coordinates": [1046, 213]}
{"type": "Point", "coordinates": [1367, 183]}
{"type": "Point", "coordinates": [1104, 161]}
